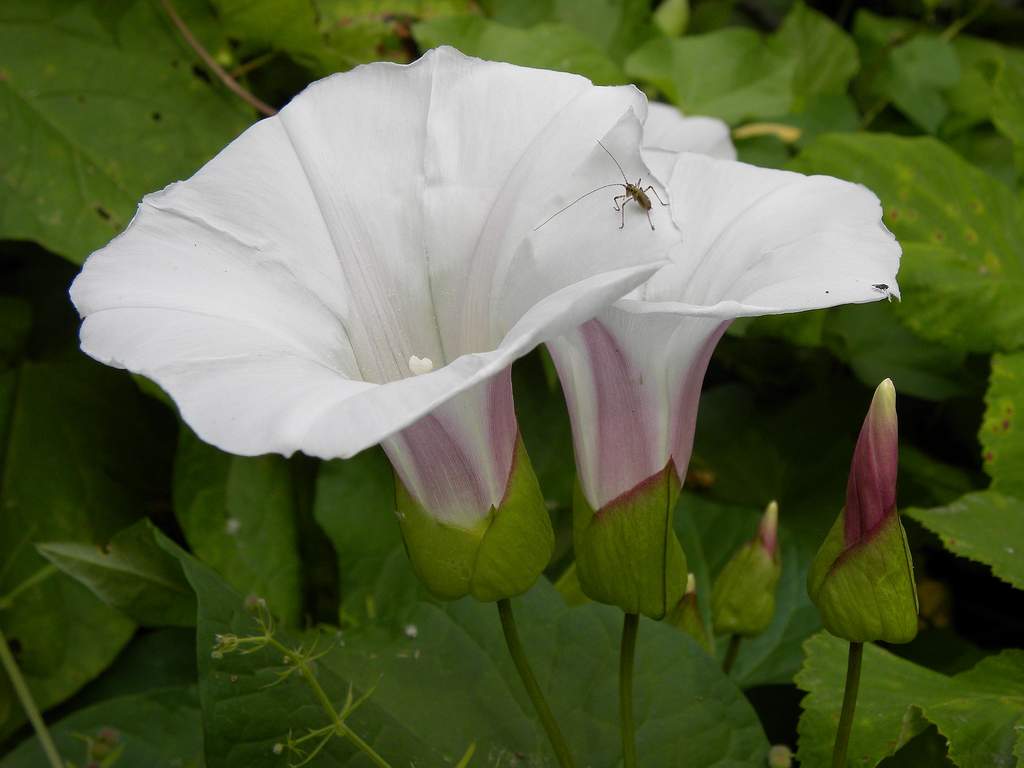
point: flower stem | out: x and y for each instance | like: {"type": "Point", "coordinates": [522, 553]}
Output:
{"type": "Point", "coordinates": [627, 651]}
{"type": "Point", "coordinates": [731, 653]}
{"type": "Point", "coordinates": [29, 704]}
{"type": "Point", "coordinates": [547, 719]}
{"type": "Point", "coordinates": [232, 84]}
{"type": "Point", "coordinates": [325, 702]}
{"type": "Point", "coordinates": [849, 704]}
{"type": "Point", "coordinates": [6, 601]}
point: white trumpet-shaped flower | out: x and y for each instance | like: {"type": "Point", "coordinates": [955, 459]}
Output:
{"type": "Point", "coordinates": [754, 242]}
{"type": "Point", "coordinates": [364, 267]}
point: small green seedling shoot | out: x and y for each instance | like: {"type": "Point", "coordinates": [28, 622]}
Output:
{"type": "Point", "coordinates": [633, 192]}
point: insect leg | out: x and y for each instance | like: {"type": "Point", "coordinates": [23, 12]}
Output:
{"type": "Point", "coordinates": [650, 188]}
{"type": "Point", "coordinates": [615, 201]}
{"type": "Point", "coordinates": [649, 219]}
{"type": "Point", "coordinates": [622, 223]}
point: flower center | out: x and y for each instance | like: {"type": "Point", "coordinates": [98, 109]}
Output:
{"type": "Point", "coordinates": [420, 365]}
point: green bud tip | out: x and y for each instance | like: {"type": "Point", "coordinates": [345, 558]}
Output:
{"type": "Point", "coordinates": [768, 530]}
{"type": "Point", "coordinates": [743, 597]}
{"type": "Point", "coordinates": [780, 756]}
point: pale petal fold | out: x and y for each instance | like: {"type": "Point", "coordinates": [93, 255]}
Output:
{"type": "Point", "coordinates": [382, 225]}
{"type": "Point", "coordinates": [755, 242]}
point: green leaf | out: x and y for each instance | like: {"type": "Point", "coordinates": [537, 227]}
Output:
{"type": "Point", "coordinates": [988, 526]}
{"type": "Point", "coordinates": [454, 655]}
{"type": "Point", "coordinates": [918, 72]}
{"type": "Point", "coordinates": [79, 460]}
{"type": "Point", "coordinates": [157, 728]}
{"type": "Point", "coordinates": [238, 515]}
{"type": "Point", "coordinates": [875, 344]}
{"type": "Point", "coordinates": [15, 324]}
{"type": "Point", "coordinates": [132, 573]}
{"type": "Point", "coordinates": [962, 234]}
{"type": "Point", "coordinates": [750, 77]}
{"type": "Point", "coordinates": [616, 27]}
{"type": "Point", "coordinates": [985, 526]}
{"type": "Point", "coordinates": [1008, 106]}
{"type": "Point", "coordinates": [550, 45]}
{"type": "Point", "coordinates": [1002, 439]}
{"type": "Point", "coordinates": [84, 143]}
{"type": "Point", "coordinates": [973, 98]}
{"type": "Point", "coordinates": [355, 505]}
{"type": "Point", "coordinates": [906, 66]}
{"type": "Point", "coordinates": [980, 712]}
{"type": "Point", "coordinates": [826, 57]}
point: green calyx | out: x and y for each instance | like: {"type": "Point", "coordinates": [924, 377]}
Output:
{"type": "Point", "coordinates": [500, 557]}
{"type": "Point", "coordinates": [687, 617]}
{"type": "Point", "coordinates": [627, 553]}
{"type": "Point", "coordinates": [743, 598]}
{"type": "Point", "coordinates": [866, 592]}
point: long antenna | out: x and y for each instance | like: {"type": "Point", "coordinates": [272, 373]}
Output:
{"type": "Point", "coordinates": [570, 205]}
{"type": "Point", "coordinates": [614, 161]}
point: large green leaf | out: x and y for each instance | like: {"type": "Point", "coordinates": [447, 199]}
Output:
{"type": "Point", "coordinates": [78, 462]}
{"type": "Point", "coordinates": [988, 526]}
{"type": "Point", "coordinates": [875, 344]}
{"type": "Point", "coordinates": [962, 233]}
{"type": "Point", "coordinates": [550, 45]}
{"type": "Point", "coordinates": [131, 573]}
{"type": "Point", "coordinates": [688, 713]}
{"type": "Point", "coordinates": [826, 57]}
{"type": "Point", "coordinates": [238, 514]}
{"type": "Point", "coordinates": [97, 108]}
{"type": "Point", "coordinates": [985, 526]}
{"type": "Point", "coordinates": [615, 26]}
{"type": "Point", "coordinates": [454, 657]}
{"type": "Point", "coordinates": [355, 505]}
{"type": "Point", "coordinates": [907, 66]}
{"type": "Point", "coordinates": [247, 708]}
{"type": "Point", "coordinates": [1008, 106]}
{"type": "Point", "coordinates": [1001, 436]}
{"type": "Point", "coordinates": [980, 712]}
{"type": "Point", "coordinates": [156, 729]}
{"type": "Point", "coordinates": [750, 77]}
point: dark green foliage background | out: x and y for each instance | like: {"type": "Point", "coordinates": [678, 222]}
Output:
{"type": "Point", "coordinates": [126, 544]}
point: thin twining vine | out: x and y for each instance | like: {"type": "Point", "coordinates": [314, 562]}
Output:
{"type": "Point", "coordinates": [300, 660]}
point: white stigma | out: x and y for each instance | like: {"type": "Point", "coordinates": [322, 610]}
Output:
{"type": "Point", "coordinates": [420, 365]}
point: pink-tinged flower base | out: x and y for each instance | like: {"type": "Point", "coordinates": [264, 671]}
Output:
{"type": "Point", "coordinates": [456, 461]}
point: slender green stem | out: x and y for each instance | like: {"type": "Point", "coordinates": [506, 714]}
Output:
{"type": "Point", "coordinates": [627, 652]}
{"type": "Point", "coordinates": [325, 702]}
{"type": "Point", "coordinates": [849, 704]}
{"type": "Point", "coordinates": [731, 653]}
{"type": "Point", "coordinates": [6, 601]}
{"type": "Point", "coordinates": [547, 719]}
{"type": "Point", "coordinates": [29, 704]}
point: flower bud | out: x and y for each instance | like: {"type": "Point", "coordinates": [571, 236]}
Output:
{"type": "Point", "coordinates": [687, 617]}
{"type": "Point", "coordinates": [626, 552]}
{"type": "Point", "coordinates": [780, 756]}
{"type": "Point", "coordinates": [743, 598]}
{"type": "Point", "coordinates": [862, 579]}
{"type": "Point", "coordinates": [500, 556]}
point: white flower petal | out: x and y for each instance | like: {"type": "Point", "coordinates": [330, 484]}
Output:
{"type": "Point", "coordinates": [760, 241]}
{"type": "Point", "coordinates": [280, 294]}
{"type": "Point", "coordinates": [667, 129]}
{"type": "Point", "coordinates": [755, 241]}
